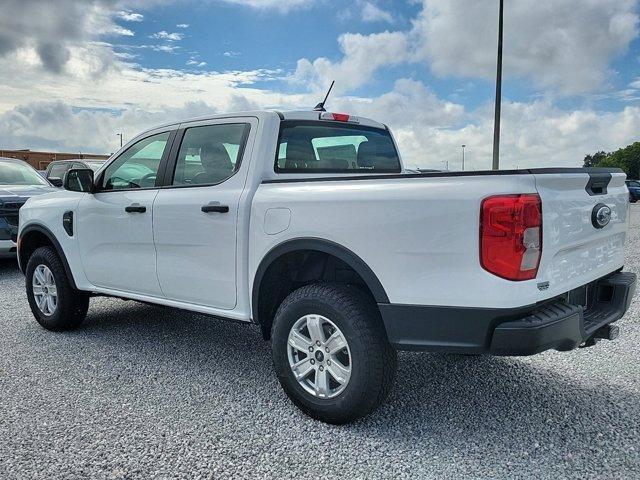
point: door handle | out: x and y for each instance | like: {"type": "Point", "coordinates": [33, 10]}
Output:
{"type": "Point", "coordinates": [135, 208]}
{"type": "Point", "coordinates": [215, 208]}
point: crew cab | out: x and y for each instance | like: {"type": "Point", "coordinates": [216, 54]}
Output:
{"type": "Point", "coordinates": [307, 224]}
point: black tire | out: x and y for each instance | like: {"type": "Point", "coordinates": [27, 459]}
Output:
{"type": "Point", "coordinates": [373, 360]}
{"type": "Point", "coordinates": [72, 305]}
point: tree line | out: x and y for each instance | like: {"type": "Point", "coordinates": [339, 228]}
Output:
{"type": "Point", "coordinates": [628, 159]}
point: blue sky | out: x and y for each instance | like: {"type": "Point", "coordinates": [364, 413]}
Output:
{"type": "Point", "coordinates": [234, 37]}
{"type": "Point", "coordinates": [572, 70]}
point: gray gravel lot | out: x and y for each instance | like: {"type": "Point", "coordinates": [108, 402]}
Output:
{"type": "Point", "coordinates": [142, 391]}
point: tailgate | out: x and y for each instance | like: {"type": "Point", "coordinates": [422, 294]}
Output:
{"type": "Point", "coordinates": [576, 247]}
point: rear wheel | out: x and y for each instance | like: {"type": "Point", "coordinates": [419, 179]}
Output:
{"type": "Point", "coordinates": [54, 303]}
{"type": "Point", "coordinates": [331, 353]}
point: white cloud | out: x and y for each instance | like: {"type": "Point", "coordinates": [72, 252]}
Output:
{"type": "Point", "coordinates": [51, 30]}
{"type": "Point", "coordinates": [534, 134]}
{"type": "Point", "coordinates": [362, 56]}
{"type": "Point", "coordinates": [130, 16]}
{"type": "Point", "coordinates": [37, 125]}
{"type": "Point", "coordinates": [125, 32]}
{"type": "Point", "coordinates": [64, 89]}
{"type": "Point", "coordinates": [231, 54]}
{"type": "Point", "coordinates": [164, 48]}
{"type": "Point", "coordinates": [164, 35]}
{"type": "Point", "coordinates": [182, 25]}
{"type": "Point", "coordinates": [193, 62]}
{"type": "Point", "coordinates": [409, 104]}
{"type": "Point", "coordinates": [283, 6]}
{"type": "Point", "coordinates": [373, 13]}
{"type": "Point", "coordinates": [429, 130]}
{"type": "Point", "coordinates": [562, 45]}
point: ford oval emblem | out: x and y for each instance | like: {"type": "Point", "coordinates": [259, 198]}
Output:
{"type": "Point", "coordinates": [601, 216]}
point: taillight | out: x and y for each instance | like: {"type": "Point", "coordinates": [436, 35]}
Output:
{"type": "Point", "coordinates": [511, 235]}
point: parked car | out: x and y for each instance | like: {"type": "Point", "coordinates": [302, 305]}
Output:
{"type": "Point", "coordinates": [634, 190]}
{"type": "Point", "coordinates": [18, 182]}
{"type": "Point", "coordinates": [57, 169]}
{"type": "Point", "coordinates": [306, 224]}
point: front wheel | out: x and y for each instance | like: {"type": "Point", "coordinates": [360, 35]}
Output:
{"type": "Point", "coordinates": [53, 301]}
{"type": "Point", "coordinates": [331, 353]}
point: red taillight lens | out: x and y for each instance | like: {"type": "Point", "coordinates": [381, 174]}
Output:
{"type": "Point", "coordinates": [341, 117]}
{"type": "Point", "coordinates": [511, 236]}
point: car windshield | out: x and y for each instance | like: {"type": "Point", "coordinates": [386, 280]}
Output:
{"type": "Point", "coordinates": [15, 173]}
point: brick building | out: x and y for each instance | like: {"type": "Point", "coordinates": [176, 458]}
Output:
{"type": "Point", "coordinates": [40, 160]}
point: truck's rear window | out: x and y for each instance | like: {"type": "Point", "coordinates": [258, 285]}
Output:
{"type": "Point", "coordinates": [318, 147]}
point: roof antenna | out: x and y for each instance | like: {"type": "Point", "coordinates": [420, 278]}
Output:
{"type": "Point", "coordinates": [320, 106]}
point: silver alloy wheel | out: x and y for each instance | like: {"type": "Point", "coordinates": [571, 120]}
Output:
{"type": "Point", "coordinates": [44, 290]}
{"type": "Point", "coordinates": [319, 356]}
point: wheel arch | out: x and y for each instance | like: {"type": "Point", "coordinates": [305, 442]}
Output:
{"type": "Point", "coordinates": [34, 236]}
{"type": "Point", "coordinates": [319, 245]}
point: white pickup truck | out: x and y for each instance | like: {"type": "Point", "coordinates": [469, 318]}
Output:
{"type": "Point", "coordinates": [307, 224]}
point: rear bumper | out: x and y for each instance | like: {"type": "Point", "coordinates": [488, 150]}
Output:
{"type": "Point", "coordinates": [561, 324]}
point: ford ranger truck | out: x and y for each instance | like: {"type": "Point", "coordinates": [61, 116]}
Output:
{"type": "Point", "coordinates": [307, 225]}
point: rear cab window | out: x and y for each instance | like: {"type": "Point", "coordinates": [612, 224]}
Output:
{"type": "Point", "coordinates": [335, 147]}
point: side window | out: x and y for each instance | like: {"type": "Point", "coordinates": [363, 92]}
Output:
{"type": "Point", "coordinates": [57, 170]}
{"type": "Point", "coordinates": [210, 154]}
{"type": "Point", "coordinates": [138, 166]}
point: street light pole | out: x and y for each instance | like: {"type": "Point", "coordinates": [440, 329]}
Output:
{"type": "Point", "coordinates": [496, 127]}
{"type": "Point", "coordinates": [463, 146]}
{"type": "Point", "coordinates": [119, 135]}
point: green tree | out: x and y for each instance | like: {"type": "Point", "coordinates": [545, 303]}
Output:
{"type": "Point", "coordinates": [628, 159]}
{"type": "Point", "coordinates": [595, 159]}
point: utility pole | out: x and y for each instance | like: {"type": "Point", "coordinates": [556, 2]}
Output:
{"type": "Point", "coordinates": [119, 135]}
{"type": "Point", "coordinates": [496, 128]}
{"type": "Point", "coordinates": [463, 146]}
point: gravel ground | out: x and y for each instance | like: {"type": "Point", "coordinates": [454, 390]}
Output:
{"type": "Point", "coordinates": [142, 391]}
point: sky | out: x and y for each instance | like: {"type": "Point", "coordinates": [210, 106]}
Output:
{"type": "Point", "coordinates": [74, 73]}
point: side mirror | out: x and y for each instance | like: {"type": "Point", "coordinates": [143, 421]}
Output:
{"type": "Point", "coordinates": [55, 181]}
{"type": "Point", "coordinates": [79, 180]}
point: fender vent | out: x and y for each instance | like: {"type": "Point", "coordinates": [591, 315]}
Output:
{"type": "Point", "coordinates": [67, 223]}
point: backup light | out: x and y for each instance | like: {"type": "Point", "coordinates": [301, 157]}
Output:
{"type": "Point", "coordinates": [511, 236]}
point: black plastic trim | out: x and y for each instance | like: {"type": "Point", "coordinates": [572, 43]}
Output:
{"type": "Point", "coordinates": [598, 183]}
{"type": "Point", "coordinates": [320, 245]}
{"type": "Point", "coordinates": [67, 222]}
{"type": "Point", "coordinates": [552, 324]}
{"type": "Point", "coordinates": [530, 171]}
{"type": "Point", "coordinates": [52, 238]}
{"type": "Point", "coordinates": [444, 329]}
